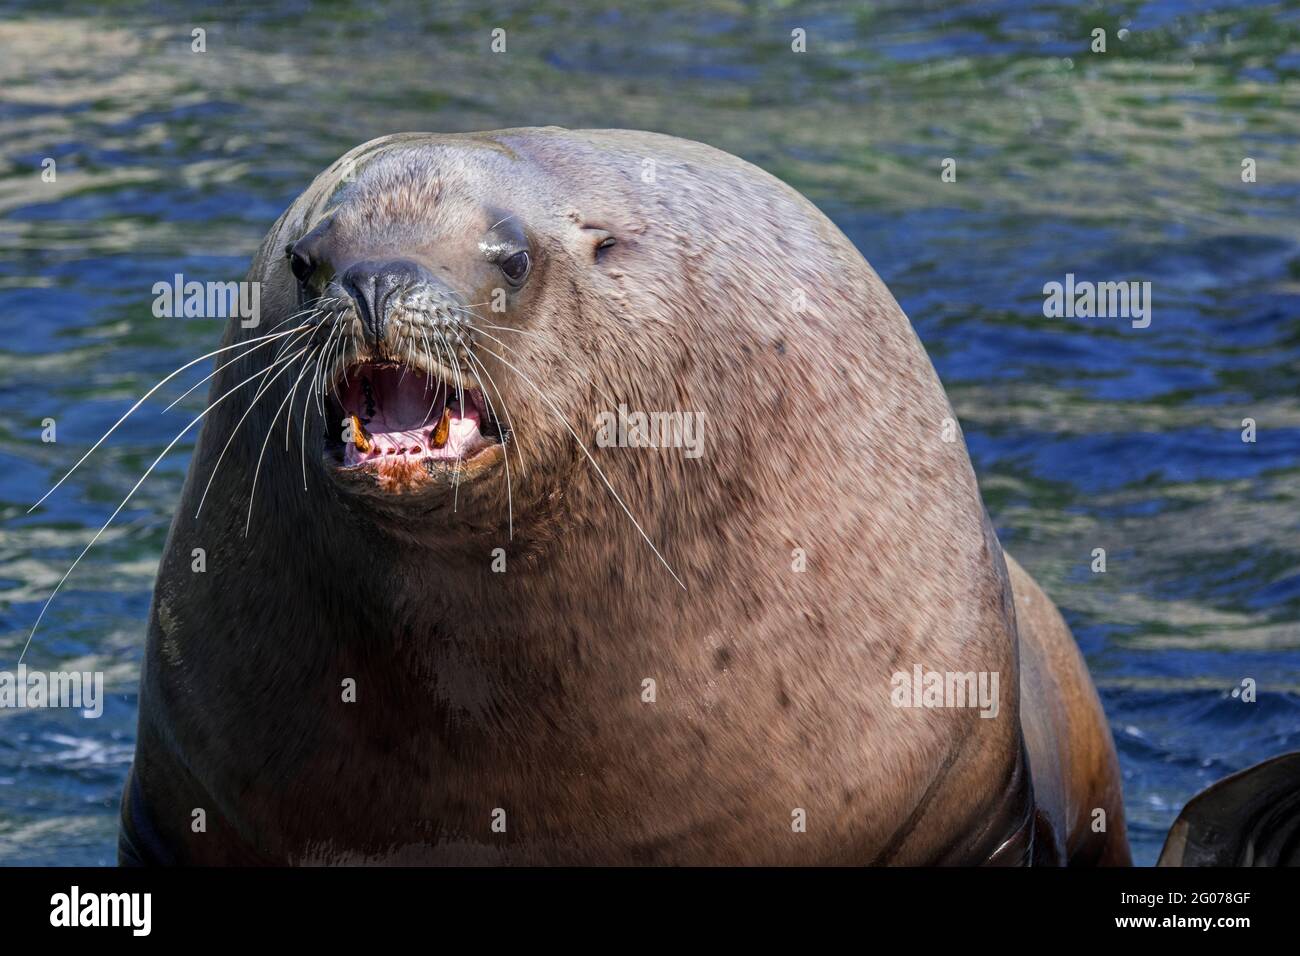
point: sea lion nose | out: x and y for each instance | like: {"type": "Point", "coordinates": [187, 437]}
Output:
{"type": "Point", "coordinates": [372, 282]}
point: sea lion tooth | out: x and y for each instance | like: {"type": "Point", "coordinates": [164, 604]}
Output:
{"type": "Point", "coordinates": [441, 431]}
{"type": "Point", "coordinates": [360, 437]}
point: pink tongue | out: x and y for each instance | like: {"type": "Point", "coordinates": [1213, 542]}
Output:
{"type": "Point", "coordinates": [402, 404]}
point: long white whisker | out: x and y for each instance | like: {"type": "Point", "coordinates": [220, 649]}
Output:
{"type": "Point", "coordinates": [510, 425]}
{"type": "Point", "coordinates": [248, 523]}
{"type": "Point", "coordinates": [314, 389]}
{"type": "Point", "coordinates": [235, 431]}
{"type": "Point", "coordinates": [302, 441]}
{"type": "Point", "coordinates": [144, 398]}
{"type": "Point", "coordinates": [591, 459]}
{"type": "Point", "coordinates": [510, 506]}
{"type": "Point", "coordinates": [148, 472]}
{"type": "Point", "coordinates": [288, 419]}
{"type": "Point", "coordinates": [428, 375]}
{"type": "Point", "coordinates": [181, 397]}
{"type": "Point", "coordinates": [460, 400]}
{"type": "Point", "coordinates": [515, 351]}
{"type": "Point", "coordinates": [318, 382]}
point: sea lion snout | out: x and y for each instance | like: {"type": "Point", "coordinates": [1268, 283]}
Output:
{"type": "Point", "coordinates": [372, 283]}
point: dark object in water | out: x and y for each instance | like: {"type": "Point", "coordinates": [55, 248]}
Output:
{"type": "Point", "coordinates": [1251, 818]}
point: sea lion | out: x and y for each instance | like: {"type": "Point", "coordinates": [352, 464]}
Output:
{"type": "Point", "coordinates": [440, 621]}
{"type": "Point", "coordinates": [1249, 818]}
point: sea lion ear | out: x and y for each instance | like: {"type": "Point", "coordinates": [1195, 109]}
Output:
{"type": "Point", "coordinates": [1251, 818]}
{"type": "Point", "coordinates": [601, 241]}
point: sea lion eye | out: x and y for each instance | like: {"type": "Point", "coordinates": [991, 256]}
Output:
{"type": "Point", "coordinates": [516, 267]}
{"type": "Point", "coordinates": [301, 266]}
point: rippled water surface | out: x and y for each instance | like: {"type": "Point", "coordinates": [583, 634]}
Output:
{"type": "Point", "coordinates": [1086, 433]}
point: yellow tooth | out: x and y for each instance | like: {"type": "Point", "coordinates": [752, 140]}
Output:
{"type": "Point", "coordinates": [360, 437]}
{"type": "Point", "coordinates": [443, 429]}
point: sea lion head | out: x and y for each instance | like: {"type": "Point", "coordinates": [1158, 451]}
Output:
{"type": "Point", "coordinates": [433, 272]}
{"type": "Point", "coordinates": [445, 296]}
{"type": "Point", "coordinates": [465, 308]}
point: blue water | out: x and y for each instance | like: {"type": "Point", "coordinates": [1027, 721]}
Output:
{"type": "Point", "coordinates": [1086, 433]}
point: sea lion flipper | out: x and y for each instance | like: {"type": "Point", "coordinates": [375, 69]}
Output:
{"type": "Point", "coordinates": [1251, 818]}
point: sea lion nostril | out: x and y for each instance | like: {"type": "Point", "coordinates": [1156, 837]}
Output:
{"type": "Point", "coordinates": [373, 284]}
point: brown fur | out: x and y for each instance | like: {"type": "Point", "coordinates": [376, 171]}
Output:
{"type": "Point", "coordinates": [522, 690]}
{"type": "Point", "coordinates": [1076, 771]}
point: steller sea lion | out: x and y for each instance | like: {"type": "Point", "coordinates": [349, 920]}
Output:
{"type": "Point", "coordinates": [441, 621]}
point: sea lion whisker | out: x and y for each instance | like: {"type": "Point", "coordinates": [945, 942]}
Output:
{"type": "Point", "coordinates": [296, 315]}
{"type": "Point", "coordinates": [303, 339]}
{"type": "Point", "coordinates": [265, 383]}
{"type": "Point", "coordinates": [510, 425]}
{"type": "Point", "coordinates": [356, 351]}
{"type": "Point", "coordinates": [591, 459]}
{"type": "Point", "coordinates": [451, 363]}
{"type": "Point", "coordinates": [444, 351]}
{"type": "Point", "coordinates": [302, 425]}
{"type": "Point", "coordinates": [329, 378]}
{"type": "Point", "coordinates": [316, 389]}
{"type": "Point", "coordinates": [286, 345]}
{"type": "Point", "coordinates": [144, 398]}
{"type": "Point", "coordinates": [572, 365]}
{"type": "Point", "coordinates": [288, 418]}
{"type": "Point", "coordinates": [481, 326]}
{"type": "Point", "coordinates": [345, 342]}
{"type": "Point", "coordinates": [454, 366]}
{"type": "Point", "coordinates": [505, 454]}
{"type": "Point", "coordinates": [460, 400]}
{"type": "Point", "coordinates": [318, 383]}
{"type": "Point", "coordinates": [129, 495]}
{"type": "Point", "coordinates": [242, 355]}
{"type": "Point", "coordinates": [506, 328]}
{"type": "Point", "coordinates": [335, 361]}
{"type": "Point", "coordinates": [342, 362]}
{"type": "Point", "coordinates": [330, 360]}
{"type": "Point", "coordinates": [406, 366]}
{"type": "Point", "coordinates": [428, 374]}
{"type": "Point", "coordinates": [444, 386]}
{"type": "Point", "coordinates": [270, 429]}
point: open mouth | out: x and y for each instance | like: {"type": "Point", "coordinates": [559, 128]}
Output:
{"type": "Point", "coordinates": [396, 416]}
